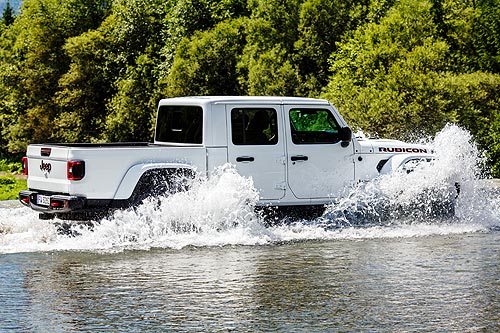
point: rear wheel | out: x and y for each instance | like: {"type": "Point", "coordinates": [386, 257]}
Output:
{"type": "Point", "coordinates": [160, 182]}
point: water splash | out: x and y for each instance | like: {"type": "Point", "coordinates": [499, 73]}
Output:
{"type": "Point", "coordinates": [206, 214]}
{"type": "Point", "coordinates": [219, 211]}
{"type": "Point", "coordinates": [428, 193]}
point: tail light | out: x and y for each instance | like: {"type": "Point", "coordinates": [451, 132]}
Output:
{"type": "Point", "coordinates": [25, 199]}
{"type": "Point", "coordinates": [25, 166]}
{"type": "Point", "coordinates": [58, 203]}
{"type": "Point", "coordinates": [76, 170]}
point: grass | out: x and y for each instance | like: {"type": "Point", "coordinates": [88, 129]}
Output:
{"type": "Point", "coordinates": [11, 181]}
{"type": "Point", "coordinates": [10, 186]}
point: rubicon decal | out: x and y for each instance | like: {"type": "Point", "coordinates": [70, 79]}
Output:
{"type": "Point", "coordinates": [403, 150]}
{"type": "Point", "coordinates": [45, 166]}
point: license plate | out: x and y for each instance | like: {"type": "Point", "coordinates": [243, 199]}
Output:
{"type": "Point", "coordinates": [42, 200]}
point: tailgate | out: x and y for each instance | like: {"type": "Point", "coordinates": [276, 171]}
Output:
{"type": "Point", "coordinates": [47, 168]}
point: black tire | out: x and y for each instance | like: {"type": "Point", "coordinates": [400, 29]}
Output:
{"type": "Point", "coordinates": [160, 182]}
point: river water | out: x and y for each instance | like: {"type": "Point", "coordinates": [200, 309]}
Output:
{"type": "Point", "coordinates": [381, 259]}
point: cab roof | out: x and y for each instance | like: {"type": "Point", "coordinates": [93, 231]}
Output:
{"type": "Point", "coordinates": [197, 100]}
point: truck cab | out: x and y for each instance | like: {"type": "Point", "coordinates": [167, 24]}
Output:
{"type": "Point", "coordinates": [295, 149]}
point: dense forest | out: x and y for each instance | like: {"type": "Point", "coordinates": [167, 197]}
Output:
{"type": "Point", "coordinates": [93, 70]}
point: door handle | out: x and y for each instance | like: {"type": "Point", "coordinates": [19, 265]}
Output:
{"type": "Point", "coordinates": [299, 158]}
{"type": "Point", "coordinates": [245, 159]}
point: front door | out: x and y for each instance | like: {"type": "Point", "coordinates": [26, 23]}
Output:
{"type": "Point", "coordinates": [256, 147]}
{"type": "Point", "coordinates": [318, 165]}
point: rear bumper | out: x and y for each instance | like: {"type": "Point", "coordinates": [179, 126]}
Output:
{"type": "Point", "coordinates": [55, 203]}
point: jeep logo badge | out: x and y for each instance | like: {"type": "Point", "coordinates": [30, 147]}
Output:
{"type": "Point", "coordinates": [45, 167]}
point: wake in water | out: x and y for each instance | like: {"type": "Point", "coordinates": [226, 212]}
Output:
{"type": "Point", "coordinates": [220, 211]}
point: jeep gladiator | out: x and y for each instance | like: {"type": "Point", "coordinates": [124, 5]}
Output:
{"type": "Point", "coordinates": [298, 151]}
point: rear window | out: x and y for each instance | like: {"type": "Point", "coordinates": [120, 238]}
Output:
{"type": "Point", "coordinates": [179, 124]}
{"type": "Point", "coordinates": [254, 126]}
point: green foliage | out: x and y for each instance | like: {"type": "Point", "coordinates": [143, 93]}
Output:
{"type": "Point", "coordinates": [37, 60]}
{"type": "Point", "coordinates": [10, 180]}
{"type": "Point", "coordinates": [7, 165]}
{"type": "Point", "coordinates": [385, 77]}
{"type": "Point", "coordinates": [205, 64]}
{"type": "Point", "coordinates": [476, 99]}
{"type": "Point", "coordinates": [486, 36]}
{"type": "Point", "coordinates": [83, 89]}
{"type": "Point", "coordinates": [271, 73]}
{"type": "Point", "coordinates": [131, 113]}
{"type": "Point", "coordinates": [87, 70]}
{"type": "Point", "coordinates": [10, 187]}
{"type": "Point", "coordinates": [266, 66]}
{"type": "Point", "coordinates": [399, 75]}
{"type": "Point", "coordinates": [106, 75]}
{"type": "Point", "coordinates": [188, 16]}
{"type": "Point", "coordinates": [321, 26]}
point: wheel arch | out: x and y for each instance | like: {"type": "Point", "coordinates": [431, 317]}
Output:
{"type": "Point", "coordinates": [141, 174]}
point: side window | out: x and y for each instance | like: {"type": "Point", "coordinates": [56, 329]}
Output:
{"type": "Point", "coordinates": [313, 126]}
{"type": "Point", "coordinates": [254, 126]}
{"type": "Point", "coordinates": [179, 124]}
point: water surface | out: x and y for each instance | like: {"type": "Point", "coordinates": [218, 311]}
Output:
{"type": "Point", "coordinates": [433, 283]}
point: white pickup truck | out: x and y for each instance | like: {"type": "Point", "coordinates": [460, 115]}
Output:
{"type": "Point", "coordinates": [298, 151]}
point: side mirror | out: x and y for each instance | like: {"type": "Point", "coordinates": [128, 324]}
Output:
{"type": "Point", "coordinates": [345, 136]}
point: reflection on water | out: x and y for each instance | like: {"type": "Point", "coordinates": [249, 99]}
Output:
{"type": "Point", "coordinates": [444, 283]}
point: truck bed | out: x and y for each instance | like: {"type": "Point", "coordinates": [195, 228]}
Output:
{"type": "Point", "coordinates": [106, 165]}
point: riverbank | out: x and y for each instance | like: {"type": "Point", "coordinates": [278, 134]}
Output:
{"type": "Point", "coordinates": [13, 174]}
{"type": "Point", "coordinates": [9, 204]}
{"type": "Point", "coordinates": [10, 185]}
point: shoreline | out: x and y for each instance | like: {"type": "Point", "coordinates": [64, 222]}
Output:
{"type": "Point", "coordinates": [10, 204]}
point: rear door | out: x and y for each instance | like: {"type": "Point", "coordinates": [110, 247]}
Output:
{"type": "Point", "coordinates": [256, 146]}
{"type": "Point", "coordinates": [318, 166]}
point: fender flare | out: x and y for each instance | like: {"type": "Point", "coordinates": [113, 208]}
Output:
{"type": "Point", "coordinates": [133, 175]}
{"type": "Point", "coordinates": [397, 162]}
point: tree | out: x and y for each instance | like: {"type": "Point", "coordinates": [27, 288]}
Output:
{"type": "Point", "coordinates": [476, 99]}
{"type": "Point", "coordinates": [188, 17]}
{"type": "Point", "coordinates": [266, 64]}
{"type": "Point", "coordinates": [147, 73]}
{"type": "Point", "coordinates": [384, 76]}
{"type": "Point", "coordinates": [8, 14]}
{"type": "Point", "coordinates": [396, 77]}
{"type": "Point", "coordinates": [37, 61]}
{"type": "Point", "coordinates": [132, 108]}
{"type": "Point", "coordinates": [206, 63]}
{"type": "Point", "coordinates": [322, 24]}
{"type": "Point", "coordinates": [106, 93]}
{"type": "Point", "coordinates": [84, 88]}
{"type": "Point", "coordinates": [486, 36]}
